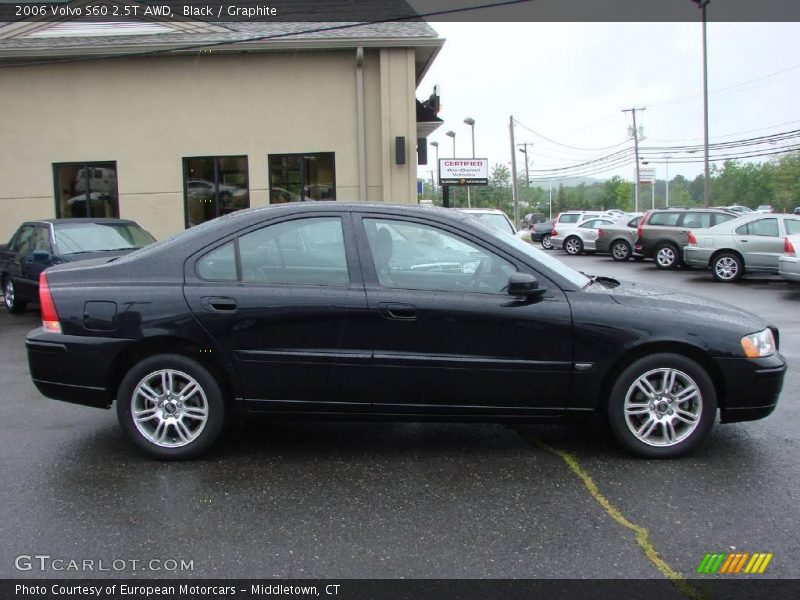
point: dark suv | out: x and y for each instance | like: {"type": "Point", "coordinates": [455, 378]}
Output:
{"type": "Point", "coordinates": [663, 232]}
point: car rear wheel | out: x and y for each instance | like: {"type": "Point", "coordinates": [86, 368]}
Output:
{"type": "Point", "coordinates": [620, 250]}
{"type": "Point", "coordinates": [14, 304]}
{"type": "Point", "coordinates": [727, 268]}
{"type": "Point", "coordinates": [573, 245]}
{"type": "Point", "coordinates": [171, 407]}
{"type": "Point", "coordinates": [662, 406]}
{"type": "Point", "coordinates": [547, 244]}
{"type": "Point", "coordinates": [667, 256]}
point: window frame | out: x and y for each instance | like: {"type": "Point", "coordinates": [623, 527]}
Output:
{"type": "Point", "coordinates": [303, 182]}
{"type": "Point", "coordinates": [86, 166]}
{"type": "Point", "coordinates": [354, 269]}
{"type": "Point", "coordinates": [370, 273]}
{"type": "Point", "coordinates": [216, 158]}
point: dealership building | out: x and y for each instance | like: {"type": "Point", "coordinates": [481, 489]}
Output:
{"type": "Point", "coordinates": [174, 123]}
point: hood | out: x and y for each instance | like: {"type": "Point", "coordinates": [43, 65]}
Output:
{"type": "Point", "coordinates": [658, 299]}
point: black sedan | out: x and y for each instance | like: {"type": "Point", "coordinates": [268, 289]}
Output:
{"type": "Point", "coordinates": [377, 311]}
{"type": "Point", "coordinates": [37, 245]}
{"type": "Point", "coordinates": [542, 232]}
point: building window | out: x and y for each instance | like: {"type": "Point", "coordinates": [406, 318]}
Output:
{"type": "Point", "coordinates": [214, 186]}
{"type": "Point", "coordinates": [86, 190]}
{"type": "Point", "coordinates": [300, 177]}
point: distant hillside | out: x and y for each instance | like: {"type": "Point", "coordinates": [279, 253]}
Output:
{"type": "Point", "coordinates": [570, 182]}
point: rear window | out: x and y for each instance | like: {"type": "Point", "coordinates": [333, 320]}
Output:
{"type": "Point", "coordinates": [792, 226]}
{"type": "Point", "coordinates": [697, 220]}
{"type": "Point", "coordinates": [669, 219]}
{"type": "Point", "coordinates": [100, 237]}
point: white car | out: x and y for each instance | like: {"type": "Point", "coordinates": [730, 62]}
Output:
{"type": "Point", "coordinates": [789, 263]}
{"type": "Point", "coordinates": [492, 217]}
{"type": "Point", "coordinates": [581, 238]}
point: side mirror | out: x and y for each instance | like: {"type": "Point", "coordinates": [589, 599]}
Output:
{"type": "Point", "coordinates": [526, 285]}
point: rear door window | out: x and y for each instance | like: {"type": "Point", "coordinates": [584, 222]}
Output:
{"type": "Point", "coordinates": [718, 218]}
{"type": "Point", "coordinates": [569, 218]}
{"type": "Point", "coordinates": [668, 219]}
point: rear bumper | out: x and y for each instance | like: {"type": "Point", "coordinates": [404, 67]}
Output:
{"type": "Point", "coordinates": [789, 267]}
{"type": "Point", "coordinates": [752, 386]}
{"type": "Point", "coordinates": [73, 369]}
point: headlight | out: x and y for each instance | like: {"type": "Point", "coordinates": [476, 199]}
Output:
{"type": "Point", "coordinates": [758, 344]}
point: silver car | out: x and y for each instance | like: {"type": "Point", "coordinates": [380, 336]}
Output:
{"type": "Point", "coordinates": [749, 244]}
{"type": "Point", "coordinates": [581, 238]}
{"type": "Point", "coordinates": [789, 263]}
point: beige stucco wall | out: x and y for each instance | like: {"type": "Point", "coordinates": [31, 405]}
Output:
{"type": "Point", "coordinates": [148, 114]}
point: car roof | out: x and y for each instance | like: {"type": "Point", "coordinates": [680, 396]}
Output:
{"type": "Point", "coordinates": [79, 220]}
{"type": "Point", "coordinates": [493, 211]}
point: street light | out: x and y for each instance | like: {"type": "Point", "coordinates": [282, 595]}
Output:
{"type": "Point", "coordinates": [452, 134]}
{"type": "Point", "coordinates": [436, 189]}
{"type": "Point", "coordinates": [471, 122]}
{"type": "Point", "coordinates": [702, 4]}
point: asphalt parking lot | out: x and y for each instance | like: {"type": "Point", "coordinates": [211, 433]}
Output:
{"type": "Point", "coordinates": [339, 500]}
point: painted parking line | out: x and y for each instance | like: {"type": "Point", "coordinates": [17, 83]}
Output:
{"type": "Point", "coordinates": [641, 534]}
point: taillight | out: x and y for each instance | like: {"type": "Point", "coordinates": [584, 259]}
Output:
{"type": "Point", "coordinates": [788, 248]}
{"type": "Point", "coordinates": [692, 239]}
{"type": "Point", "coordinates": [49, 315]}
{"type": "Point", "coordinates": [554, 233]}
{"type": "Point", "coordinates": [639, 228]}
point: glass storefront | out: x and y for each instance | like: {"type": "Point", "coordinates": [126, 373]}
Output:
{"type": "Point", "coordinates": [302, 177]}
{"type": "Point", "coordinates": [214, 186]}
{"type": "Point", "coordinates": [86, 190]}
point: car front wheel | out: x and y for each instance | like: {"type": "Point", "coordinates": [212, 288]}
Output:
{"type": "Point", "coordinates": [14, 304]}
{"type": "Point", "coordinates": [573, 245]}
{"type": "Point", "coordinates": [171, 407]}
{"type": "Point", "coordinates": [667, 257]}
{"type": "Point", "coordinates": [662, 405]}
{"type": "Point", "coordinates": [621, 250]}
{"type": "Point", "coordinates": [547, 244]}
{"type": "Point", "coordinates": [727, 268]}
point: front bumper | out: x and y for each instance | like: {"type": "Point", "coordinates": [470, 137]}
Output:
{"type": "Point", "coordinates": [74, 369]}
{"type": "Point", "coordinates": [789, 267]}
{"type": "Point", "coordinates": [751, 386]}
{"type": "Point", "coordinates": [696, 256]}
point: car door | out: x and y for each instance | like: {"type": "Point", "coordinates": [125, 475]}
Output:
{"type": "Point", "coordinates": [22, 248]}
{"type": "Point", "coordinates": [447, 337]}
{"type": "Point", "coordinates": [760, 242]}
{"type": "Point", "coordinates": [588, 230]}
{"type": "Point", "coordinates": [286, 304]}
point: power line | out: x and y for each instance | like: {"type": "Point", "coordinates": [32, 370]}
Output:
{"type": "Point", "coordinates": [552, 141]}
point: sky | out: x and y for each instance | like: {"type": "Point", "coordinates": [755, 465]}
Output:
{"type": "Point", "coordinates": [569, 82]}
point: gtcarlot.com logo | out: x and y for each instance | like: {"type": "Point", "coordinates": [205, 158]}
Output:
{"type": "Point", "coordinates": [735, 563]}
{"type": "Point", "coordinates": [46, 562]}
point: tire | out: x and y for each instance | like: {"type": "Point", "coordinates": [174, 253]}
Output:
{"type": "Point", "coordinates": [659, 424]}
{"type": "Point", "coordinates": [667, 256]}
{"type": "Point", "coordinates": [573, 245]}
{"type": "Point", "coordinates": [172, 427]}
{"type": "Point", "coordinates": [546, 243]}
{"type": "Point", "coordinates": [727, 267]}
{"type": "Point", "coordinates": [621, 250]}
{"type": "Point", "coordinates": [13, 303]}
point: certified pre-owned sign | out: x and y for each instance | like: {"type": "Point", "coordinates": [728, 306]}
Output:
{"type": "Point", "coordinates": [464, 171]}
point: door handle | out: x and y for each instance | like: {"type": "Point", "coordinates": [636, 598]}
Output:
{"type": "Point", "coordinates": [219, 303]}
{"type": "Point", "coordinates": [397, 311]}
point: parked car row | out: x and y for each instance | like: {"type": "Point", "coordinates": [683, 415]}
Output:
{"type": "Point", "coordinates": [727, 241]}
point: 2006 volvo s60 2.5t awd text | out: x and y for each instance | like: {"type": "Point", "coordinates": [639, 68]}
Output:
{"type": "Point", "coordinates": [330, 309]}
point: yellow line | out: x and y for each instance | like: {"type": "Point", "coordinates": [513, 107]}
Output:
{"type": "Point", "coordinates": [752, 562]}
{"type": "Point", "coordinates": [757, 564]}
{"type": "Point", "coordinates": [641, 534]}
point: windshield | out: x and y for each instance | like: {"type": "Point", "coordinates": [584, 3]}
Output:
{"type": "Point", "coordinates": [99, 237]}
{"type": "Point", "coordinates": [495, 220]}
{"type": "Point", "coordinates": [542, 258]}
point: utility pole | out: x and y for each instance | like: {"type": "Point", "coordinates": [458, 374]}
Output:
{"type": "Point", "coordinates": [524, 150]}
{"type": "Point", "coordinates": [514, 186]}
{"type": "Point", "coordinates": [703, 4]}
{"type": "Point", "coordinates": [636, 152]}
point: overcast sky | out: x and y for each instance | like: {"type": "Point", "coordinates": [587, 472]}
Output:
{"type": "Point", "coordinates": [569, 82]}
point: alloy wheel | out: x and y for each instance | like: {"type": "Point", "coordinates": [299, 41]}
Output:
{"type": "Point", "coordinates": [663, 407]}
{"type": "Point", "coordinates": [573, 246]}
{"type": "Point", "coordinates": [8, 293]}
{"type": "Point", "coordinates": [666, 257]}
{"type": "Point", "coordinates": [546, 243]}
{"type": "Point", "coordinates": [169, 408]}
{"type": "Point", "coordinates": [621, 251]}
{"type": "Point", "coordinates": [726, 268]}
